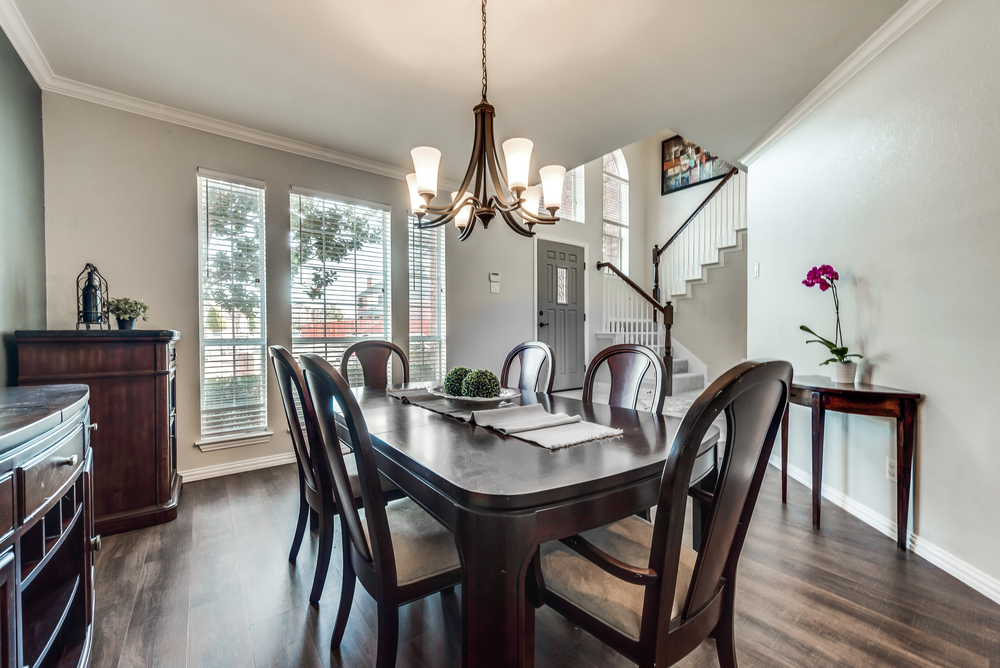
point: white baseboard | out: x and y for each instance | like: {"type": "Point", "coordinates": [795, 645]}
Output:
{"type": "Point", "coordinates": [984, 583]}
{"type": "Point", "coordinates": [220, 470]}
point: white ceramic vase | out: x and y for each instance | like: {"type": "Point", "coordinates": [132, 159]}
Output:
{"type": "Point", "coordinates": [843, 372]}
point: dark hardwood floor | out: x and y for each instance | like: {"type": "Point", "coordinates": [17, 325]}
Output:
{"type": "Point", "coordinates": [214, 588]}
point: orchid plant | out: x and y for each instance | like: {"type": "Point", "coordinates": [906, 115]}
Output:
{"type": "Point", "coordinates": [825, 278]}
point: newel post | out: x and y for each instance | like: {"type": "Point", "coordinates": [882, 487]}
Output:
{"type": "Point", "coordinates": [656, 277]}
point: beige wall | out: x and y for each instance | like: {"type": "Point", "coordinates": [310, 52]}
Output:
{"type": "Point", "coordinates": [22, 212]}
{"type": "Point", "coordinates": [712, 324]}
{"type": "Point", "coordinates": [894, 181]}
{"type": "Point", "coordinates": [121, 193]}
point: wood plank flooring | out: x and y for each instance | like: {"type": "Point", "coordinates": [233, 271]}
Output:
{"type": "Point", "coordinates": [214, 588]}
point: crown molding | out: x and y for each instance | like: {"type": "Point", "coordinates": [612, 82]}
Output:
{"type": "Point", "coordinates": [20, 36]}
{"type": "Point", "coordinates": [897, 25]}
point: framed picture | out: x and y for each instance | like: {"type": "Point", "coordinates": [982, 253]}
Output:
{"type": "Point", "coordinates": [686, 165]}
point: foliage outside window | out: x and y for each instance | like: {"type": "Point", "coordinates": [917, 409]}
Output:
{"type": "Point", "coordinates": [339, 275]}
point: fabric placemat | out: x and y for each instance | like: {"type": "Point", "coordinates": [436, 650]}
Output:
{"type": "Point", "coordinates": [550, 430]}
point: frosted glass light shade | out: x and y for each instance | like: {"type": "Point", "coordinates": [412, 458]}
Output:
{"type": "Point", "coordinates": [426, 160]}
{"type": "Point", "coordinates": [552, 185]}
{"type": "Point", "coordinates": [416, 201]}
{"type": "Point", "coordinates": [517, 153]}
{"type": "Point", "coordinates": [465, 213]}
{"type": "Point", "coordinates": [532, 197]}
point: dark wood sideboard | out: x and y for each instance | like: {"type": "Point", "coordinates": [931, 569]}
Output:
{"type": "Point", "coordinates": [46, 527]}
{"type": "Point", "coordinates": [133, 388]}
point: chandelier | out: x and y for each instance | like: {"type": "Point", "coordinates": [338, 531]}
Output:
{"type": "Point", "coordinates": [513, 199]}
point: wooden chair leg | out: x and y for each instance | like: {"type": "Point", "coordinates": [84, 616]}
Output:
{"type": "Point", "coordinates": [725, 631]}
{"type": "Point", "coordinates": [346, 597]}
{"type": "Point", "coordinates": [388, 635]}
{"type": "Point", "coordinates": [323, 558]}
{"type": "Point", "coordinates": [300, 527]}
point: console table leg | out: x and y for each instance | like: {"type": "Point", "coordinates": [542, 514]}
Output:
{"type": "Point", "coordinates": [818, 423]}
{"type": "Point", "coordinates": [905, 436]}
{"type": "Point", "coordinates": [784, 456]}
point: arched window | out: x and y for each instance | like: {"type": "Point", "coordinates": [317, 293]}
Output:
{"type": "Point", "coordinates": [615, 217]}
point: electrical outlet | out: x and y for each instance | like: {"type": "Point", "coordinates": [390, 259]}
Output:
{"type": "Point", "coordinates": [494, 287]}
{"type": "Point", "coordinates": [890, 468]}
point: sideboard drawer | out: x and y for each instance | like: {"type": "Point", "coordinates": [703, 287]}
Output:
{"type": "Point", "coordinates": [43, 476]}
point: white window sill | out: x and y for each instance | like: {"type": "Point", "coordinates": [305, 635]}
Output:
{"type": "Point", "coordinates": [234, 441]}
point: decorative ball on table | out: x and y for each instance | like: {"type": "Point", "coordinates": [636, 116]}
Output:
{"type": "Point", "coordinates": [453, 381]}
{"type": "Point", "coordinates": [481, 383]}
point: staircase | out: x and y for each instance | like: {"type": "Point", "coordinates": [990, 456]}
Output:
{"type": "Point", "coordinates": [631, 315]}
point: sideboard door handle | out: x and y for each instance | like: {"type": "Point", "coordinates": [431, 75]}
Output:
{"type": "Point", "coordinates": [92, 427]}
{"type": "Point", "coordinates": [68, 461]}
{"type": "Point", "coordinates": [95, 543]}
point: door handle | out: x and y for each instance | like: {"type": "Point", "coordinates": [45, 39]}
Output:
{"type": "Point", "coordinates": [543, 324]}
{"type": "Point", "coordinates": [67, 461]}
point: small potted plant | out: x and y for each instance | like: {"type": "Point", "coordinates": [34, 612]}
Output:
{"type": "Point", "coordinates": [126, 310]}
{"type": "Point", "coordinates": [825, 278]}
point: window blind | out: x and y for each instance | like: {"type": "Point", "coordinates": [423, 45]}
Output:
{"type": "Point", "coordinates": [572, 199]}
{"type": "Point", "coordinates": [615, 210]}
{"type": "Point", "coordinates": [340, 276]}
{"type": "Point", "coordinates": [231, 300]}
{"type": "Point", "coordinates": [428, 355]}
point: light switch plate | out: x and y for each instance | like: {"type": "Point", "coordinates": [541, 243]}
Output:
{"type": "Point", "coordinates": [494, 287]}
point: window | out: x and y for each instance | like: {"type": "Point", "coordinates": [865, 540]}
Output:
{"type": "Point", "coordinates": [231, 300]}
{"type": "Point", "coordinates": [615, 219]}
{"type": "Point", "coordinates": [571, 208]}
{"type": "Point", "coordinates": [340, 275]}
{"type": "Point", "coordinates": [428, 357]}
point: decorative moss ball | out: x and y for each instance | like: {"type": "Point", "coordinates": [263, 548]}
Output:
{"type": "Point", "coordinates": [481, 383]}
{"type": "Point", "coordinates": [453, 381]}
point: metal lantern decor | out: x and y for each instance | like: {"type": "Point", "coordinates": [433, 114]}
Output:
{"type": "Point", "coordinates": [92, 299]}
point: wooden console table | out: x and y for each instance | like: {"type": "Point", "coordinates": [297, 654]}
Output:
{"type": "Point", "coordinates": [822, 394]}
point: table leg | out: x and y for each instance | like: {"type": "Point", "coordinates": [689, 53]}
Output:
{"type": "Point", "coordinates": [498, 622]}
{"type": "Point", "coordinates": [818, 423]}
{"type": "Point", "coordinates": [784, 456]}
{"type": "Point", "coordinates": [905, 437]}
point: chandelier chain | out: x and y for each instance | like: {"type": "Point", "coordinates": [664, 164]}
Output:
{"type": "Point", "coordinates": [484, 49]}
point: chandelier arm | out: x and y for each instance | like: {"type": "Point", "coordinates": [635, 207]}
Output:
{"type": "Point", "coordinates": [514, 225]}
{"type": "Point", "coordinates": [448, 216]}
{"type": "Point", "coordinates": [469, 173]}
{"type": "Point", "coordinates": [497, 175]}
{"type": "Point", "coordinates": [536, 219]}
{"type": "Point", "coordinates": [467, 232]}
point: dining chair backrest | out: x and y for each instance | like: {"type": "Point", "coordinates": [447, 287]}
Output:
{"type": "Point", "coordinates": [628, 363]}
{"type": "Point", "coordinates": [298, 410]}
{"type": "Point", "coordinates": [374, 359]}
{"type": "Point", "coordinates": [753, 396]}
{"type": "Point", "coordinates": [328, 387]}
{"type": "Point", "coordinates": [532, 356]}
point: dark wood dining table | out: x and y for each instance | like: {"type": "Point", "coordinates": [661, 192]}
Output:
{"type": "Point", "coordinates": [502, 497]}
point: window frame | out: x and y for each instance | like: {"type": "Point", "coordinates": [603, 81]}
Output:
{"type": "Point", "coordinates": [440, 307]}
{"type": "Point", "coordinates": [622, 228]}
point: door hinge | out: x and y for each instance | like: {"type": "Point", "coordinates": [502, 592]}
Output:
{"type": "Point", "coordinates": [585, 317]}
{"type": "Point", "coordinates": [584, 266]}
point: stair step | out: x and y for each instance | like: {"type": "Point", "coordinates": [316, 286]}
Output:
{"type": "Point", "coordinates": [680, 366]}
{"type": "Point", "coordinates": [688, 382]}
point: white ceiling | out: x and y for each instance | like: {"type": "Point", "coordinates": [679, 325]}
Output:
{"type": "Point", "coordinates": [374, 78]}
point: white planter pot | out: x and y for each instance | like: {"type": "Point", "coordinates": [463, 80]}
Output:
{"type": "Point", "coordinates": [843, 372]}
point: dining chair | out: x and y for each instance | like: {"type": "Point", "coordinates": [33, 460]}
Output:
{"type": "Point", "coordinates": [633, 584]}
{"type": "Point", "coordinates": [399, 552]}
{"type": "Point", "coordinates": [628, 363]}
{"type": "Point", "coordinates": [374, 359]}
{"type": "Point", "coordinates": [532, 356]}
{"type": "Point", "coordinates": [317, 500]}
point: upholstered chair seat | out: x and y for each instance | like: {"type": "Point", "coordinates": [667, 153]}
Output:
{"type": "Point", "coordinates": [618, 604]}
{"type": "Point", "coordinates": [422, 546]}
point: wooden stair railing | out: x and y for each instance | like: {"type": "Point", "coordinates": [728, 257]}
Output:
{"type": "Point", "coordinates": [666, 311]}
{"type": "Point", "coordinates": [658, 250]}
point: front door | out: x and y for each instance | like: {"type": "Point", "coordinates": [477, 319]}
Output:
{"type": "Point", "coordinates": [560, 309]}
